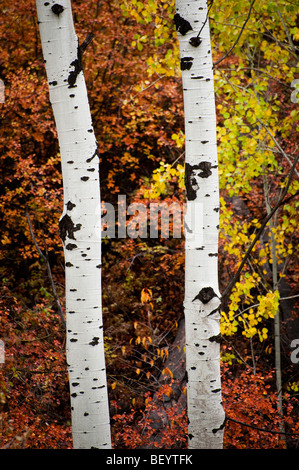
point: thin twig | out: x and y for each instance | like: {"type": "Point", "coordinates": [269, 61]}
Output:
{"type": "Point", "coordinates": [83, 46]}
{"type": "Point", "coordinates": [45, 259]}
{"type": "Point", "coordinates": [237, 40]}
{"type": "Point", "coordinates": [207, 16]}
{"type": "Point", "coordinates": [293, 47]}
{"type": "Point", "coordinates": [276, 143]}
{"type": "Point", "coordinates": [144, 89]}
{"type": "Point", "coordinates": [261, 429]}
{"type": "Point", "coordinates": [260, 231]}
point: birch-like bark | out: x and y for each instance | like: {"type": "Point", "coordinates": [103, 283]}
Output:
{"type": "Point", "coordinates": [202, 298]}
{"type": "Point", "coordinates": [80, 225]}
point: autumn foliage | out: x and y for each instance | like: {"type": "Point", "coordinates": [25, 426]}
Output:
{"type": "Point", "coordinates": [138, 118]}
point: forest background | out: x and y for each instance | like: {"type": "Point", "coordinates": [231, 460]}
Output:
{"type": "Point", "coordinates": [133, 78]}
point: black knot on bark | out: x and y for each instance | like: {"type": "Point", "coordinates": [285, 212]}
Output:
{"type": "Point", "coordinates": [57, 9]}
{"type": "Point", "coordinates": [205, 295]}
{"type": "Point", "coordinates": [67, 228]}
{"type": "Point", "coordinates": [186, 63]}
{"type": "Point", "coordinates": [195, 41]}
{"type": "Point", "coordinates": [182, 25]}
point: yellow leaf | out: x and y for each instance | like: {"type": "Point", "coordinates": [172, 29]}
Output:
{"type": "Point", "coordinates": [167, 371]}
{"type": "Point", "coordinates": [146, 295]}
{"type": "Point", "coordinates": [5, 240]}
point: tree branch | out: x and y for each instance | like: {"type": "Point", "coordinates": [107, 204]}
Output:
{"type": "Point", "coordinates": [262, 429]}
{"type": "Point", "coordinates": [279, 203]}
{"type": "Point", "coordinates": [45, 259]}
{"type": "Point", "coordinates": [237, 40]}
{"type": "Point", "coordinates": [293, 47]}
{"type": "Point", "coordinates": [276, 143]}
{"type": "Point", "coordinates": [85, 43]}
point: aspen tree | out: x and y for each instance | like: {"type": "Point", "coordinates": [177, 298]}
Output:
{"type": "Point", "coordinates": [202, 298]}
{"type": "Point", "coordinates": [79, 226]}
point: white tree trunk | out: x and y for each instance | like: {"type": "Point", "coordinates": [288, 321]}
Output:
{"type": "Point", "coordinates": [80, 225]}
{"type": "Point", "coordinates": [205, 413]}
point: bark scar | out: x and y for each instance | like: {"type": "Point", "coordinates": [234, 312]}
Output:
{"type": "Point", "coordinates": [192, 172]}
{"type": "Point", "coordinates": [95, 154]}
{"type": "Point", "coordinates": [186, 63]}
{"type": "Point", "coordinates": [57, 9]}
{"type": "Point", "coordinates": [190, 182]}
{"type": "Point", "coordinates": [205, 295]}
{"type": "Point", "coordinates": [220, 427]}
{"type": "Point", "coordinates": [182, 25]}
{"type": "Point", "coordinates": [95, 341]}
{"type": "Point", "coordinates": [216, 339]}
{"type": "Point", "coordinates": [67, 228]}
{"type": "Point", "coordinates": [77, 63]}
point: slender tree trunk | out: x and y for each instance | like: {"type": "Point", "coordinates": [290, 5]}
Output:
{"type": "Point", "coordinates": [272, 224]}
{"type": "Point", "coordinates": [205, 411]}
{"type": "Point", "coordinates": [80, 225]}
